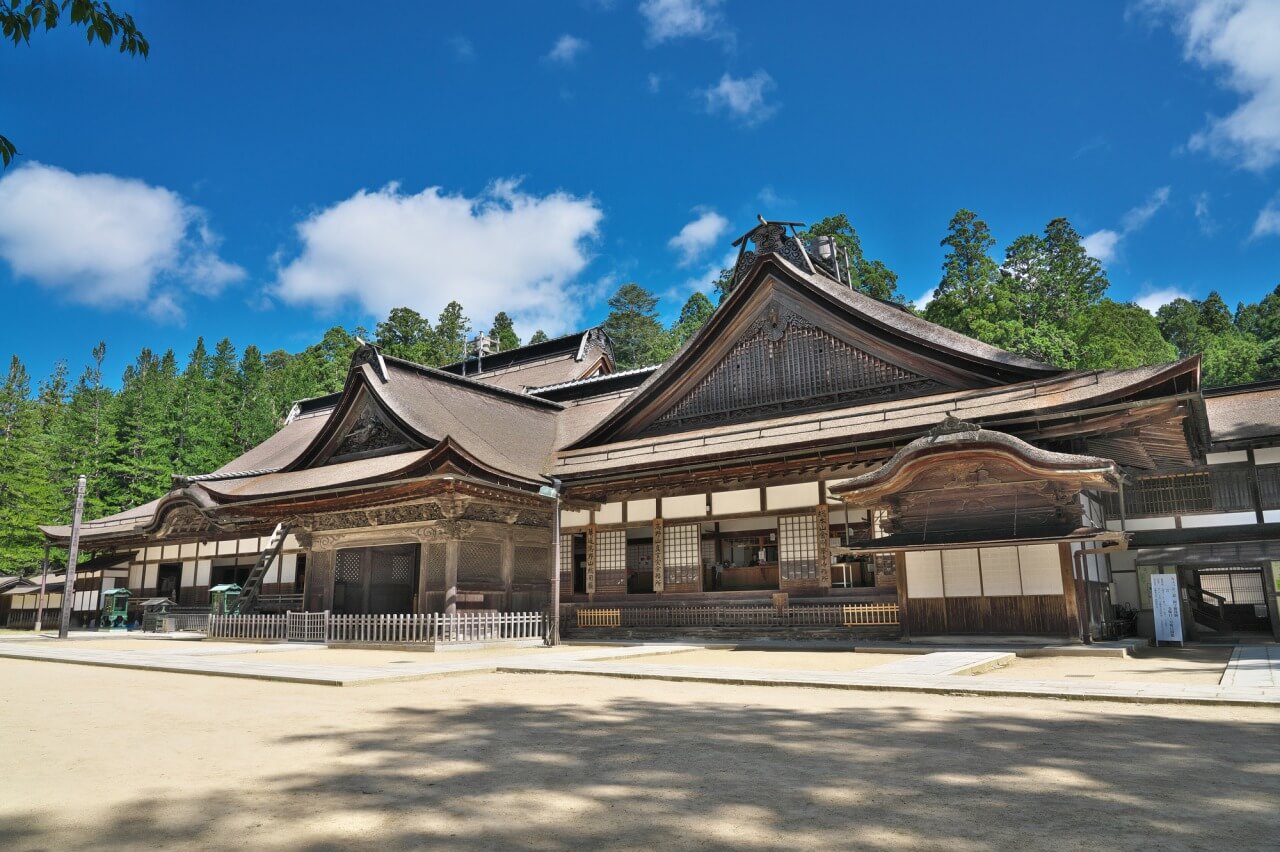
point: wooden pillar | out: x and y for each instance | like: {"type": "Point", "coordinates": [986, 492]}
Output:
{"type": "Point", "coordinates": [508, 567]}
{"type": "Point", "coordinates": [657, 556]}
{"type": "Point", "coordinates": [1070, 592]}
{"type": "Point", "coordinates": [424, 549]}
{"type": "Point", "coordinates": [451, 549]}
{"type": "Point", "coordinates": [319, 580]}
{"type": "Point", "coordinates": [900, 580]}
{"type": "Point", "coordinates": [591, 561]}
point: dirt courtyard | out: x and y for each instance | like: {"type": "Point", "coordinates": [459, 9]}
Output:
{"type": "Point", "coordinates": [121, 759]}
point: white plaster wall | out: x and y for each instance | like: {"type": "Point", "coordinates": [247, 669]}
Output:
{"type": "Point", "coordinates": [796, 496]}
{"type": "Point", "coordinates": [1267, 455]}
{"type": "Point", "coordinates": [960, 576]}
{"type": "Point", "coordinates": [1225, 519]}
{"type": "Point", "coordinates": [924, 574]}
{"type": "Point", "coordinates": [642, 510]}
{"type": "Point", "coordinates": [1000, 572]}
{"type": "Point", "coordinates": [202, 572]}
{"type": "Point", "coordinates": [1271, 516]}
{"type": "Point", "coordinates": [689, 506]}
{"type": "Point", "coordinates": [609, 513]}
{"type": "Point", "coordinates": [1227, 458]}
{"type": "Point", "coordinates": [731, 502]}
{"type": "Point", "coordinates": [1134, 524]}
{"type": "Point", "coordinates": [570, 518]}
{"type": "Point", "coordinates": [1040, 568]}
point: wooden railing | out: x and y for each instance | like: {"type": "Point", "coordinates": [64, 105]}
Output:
{"type": "Point", "coordinates": [391, 629]}
{"type": "Point", "coordinates": [265, 627]}
{"type": "Point", "coordinates": [197, 622]}
{"type": "Point", "coordinates": [817, 615]}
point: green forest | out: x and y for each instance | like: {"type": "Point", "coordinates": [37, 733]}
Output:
{"type": "Point", "coordinates": [1045, 298]}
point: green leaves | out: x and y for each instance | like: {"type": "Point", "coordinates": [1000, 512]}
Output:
{"type": "Point", "coordinates": [101, 23]}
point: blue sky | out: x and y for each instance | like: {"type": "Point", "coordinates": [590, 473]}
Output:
{"type": "Point", "coordinates": [277, 168]}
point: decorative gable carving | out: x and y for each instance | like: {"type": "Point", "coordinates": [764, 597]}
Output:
{"type": "Point", "coordinates": [783, 364]}
{"type": "Point", "coordinates": [369, 434]}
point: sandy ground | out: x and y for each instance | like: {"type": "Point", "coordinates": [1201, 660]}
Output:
{"type": "Point", "coordinates": [814, 661]}
{"type": "Point", "coordinates": [117, 759]}
{"type": "Point", "coordinates": [1202, 665]}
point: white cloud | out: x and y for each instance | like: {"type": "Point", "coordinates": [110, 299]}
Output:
{"type": "Point", "coordinates": [705, 279]}
{"type": "Point", "coordinates": [566, 49]}
{"type": "Point", "coordinates": [463, 49]}
{"type": "Point", "coordinates": [108, 241]}
{"type": "Point", "coordinates": [1104, 244]}
{"type": "Point", "coordinates": [505, 250]}
{"type": "Point", "coordinates": [1151, 300]}
{"type": "Point", "coordinates": [769, 198]}
{"type": "Point", "coordinates": [671, 19]}
{"type": "Point", "coordinates": [698, 236]}
{"type": "Point", "coordinates": [1268, 222]}
{"type": "Point", "coordinates": [922, 301]}
{"type": "Point", "coordinates": [742, 98]}
{"type": "Point", "coordinates": [1203, 216]}
{"type": "Point", "coordinates": [655, 83]}
{"type": "Point", "coordinates": [1139, 216]}
{"type": "Point", "coordinates": [1238, 38]}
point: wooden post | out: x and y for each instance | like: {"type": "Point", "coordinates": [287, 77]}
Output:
{"type": "Point", "coordinates": [508, 556]}
{"type": "Point", "coordinates": [44, 581]}
{"type": "Point", "coordinates": [1070, 592]}
{"type": "Point", "coordinates": [424, 548]}
{"type": "Point", "coordinates": [451, 549]}
{"type": "Point", "coordinates": [73, 553]}
{"type": "Point", "coordinates": [900, 580]}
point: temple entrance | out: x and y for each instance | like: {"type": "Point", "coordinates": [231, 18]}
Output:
{"type": "Point", "coordinates": [375, 579]}
{"type": "Point", "coordinates": [1229, 600]}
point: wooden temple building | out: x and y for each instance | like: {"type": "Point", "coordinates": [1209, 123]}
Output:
{"type": "Point", "coordinates": [808, 447]}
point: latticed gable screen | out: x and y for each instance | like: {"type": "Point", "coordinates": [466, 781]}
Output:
{"type": "Point", "coordinates": [772, 369]}
{"type": "Point", "coordinates": [479, 562]}
{"type": "Point", "coordinates": [611, 558]}
{"type": "Point", "coordinates": [797, 547]}
{"type": "Point", "coordinates": [682, 554]}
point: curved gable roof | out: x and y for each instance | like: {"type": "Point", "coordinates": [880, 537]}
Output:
{"type": "Point", "coordinates": [918, 352]}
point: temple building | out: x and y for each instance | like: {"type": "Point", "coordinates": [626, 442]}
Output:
{"type": "Point", "coordinates": [810, 449]}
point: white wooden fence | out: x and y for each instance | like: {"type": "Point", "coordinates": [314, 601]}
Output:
{"type": "Point", "coordinates": [715, 615]}
{"type": "Point", "coordinates": [407, 629]}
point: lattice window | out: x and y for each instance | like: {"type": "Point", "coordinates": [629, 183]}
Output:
{"type": "Point", "coordinates": [682, 554]}
{"type": "Point", "coordinates": [1269, 486]}
{"type": "Point", "coordinates": [1169, 494]}
{"type": "Point", "coordinates": [347, 567]}
{"type": "Point", "coordinates": [1235, 587]}
{"type": "Point", "coordinates": [566, 562]}
{"type": "Point", "coordinates": [611, 558]}
{"type": "Point", "coordinates": [479, 562]}
{"type": "Point", "coordinates": [788, 364]}
{"type": "Point", "coordinates": [532, 564]}
{"type": "Point", "coordinates": [435, 566]}
{"type": "Point", "coordinates": [401, 568]}
{"type": "Point", "coordinates": [797, 547]}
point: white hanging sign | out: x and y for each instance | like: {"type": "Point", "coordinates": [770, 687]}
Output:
{"type": "Point", "coordinates": [1167, 607]}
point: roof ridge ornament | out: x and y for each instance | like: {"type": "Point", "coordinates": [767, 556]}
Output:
{"type": "Point", "coordinates": [369, 353]}
{"type": "Point", "coordinates": [770, 238]}
{"type": "Point", "coordinates": [952, 425]}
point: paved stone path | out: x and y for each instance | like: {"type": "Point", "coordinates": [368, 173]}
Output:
{"type": "Point", "coordinates": [1254, 671]}
{"type": "Point", "coordinates": [891, 677]}
{"type": "Point", "coordinates": [188, 658]}
{"type": "Point", "coordinates": [1253, 666]}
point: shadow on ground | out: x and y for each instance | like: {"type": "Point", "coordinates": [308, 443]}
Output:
{"type": "Point", "coordinates": [654, 774]}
